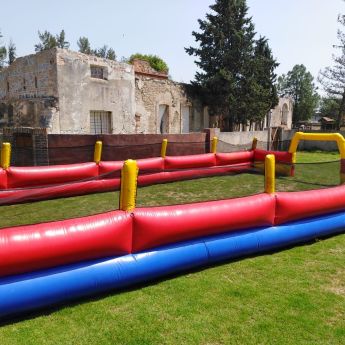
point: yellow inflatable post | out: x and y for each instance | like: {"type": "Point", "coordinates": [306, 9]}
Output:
{"type": "Point", "coordinates": [129, 177]}
{"type": "Point", "coordinates": [214, 145]}
{"type": "Point", "coordinates": [5, 155]}
{"type": "Point", "coordinates": [254, 143]}
{"type": "Point", "coordinates": [164, 148]}
{"type": "Point", "coordinates": [270, 174]}
{"type": "Point", "coordinates": [98, 152]}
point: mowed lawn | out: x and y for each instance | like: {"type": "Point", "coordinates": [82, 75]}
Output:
{"type": "Point", "coordinates": [296, 296]}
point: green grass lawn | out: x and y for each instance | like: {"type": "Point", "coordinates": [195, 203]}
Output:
{"type": "Point", "coordinates": [296, 296]}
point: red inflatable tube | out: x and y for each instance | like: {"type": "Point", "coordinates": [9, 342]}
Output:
{"type": "Point", "coordinates": [234, 157]}
{"type": "Point", "coordinates": [3, 179]}
{"type": "Point", "coordinates": [282, 157]}
{"type": "Point", "coordinates": [32, 247]}
{"type": "Point", "coordinates": [110, 184]}
{"type": "Point", "coordinates": [168, 224]}
{"type": "Point", "coordinates": [298, 205]}
{"type": "Point", "coordinates": [8, 197]}
{"type": "Point", "coordinates": [156, 163]}
{"type": "Point", "coordinates": [191, 161]}
{"type": "Point", "coordinates": [43, 175]}
{"type": "Point", "coordinates": [149, 164]}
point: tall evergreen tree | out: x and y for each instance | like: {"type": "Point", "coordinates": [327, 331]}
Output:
{"type": "Point", "coordinates": [262, 88]}
{"type": "Point", "coordinates": [11, 52]}
{"type": "Point", "coordinates": [84, 45]}
{"type": "Point", "coordinates": [3, 54]}
{"type": "Point", "coordinates": [298, 83]}
{"type": "Point", "coordinates": [333, 78]}
{"type": "Point", "coordinates": [226, 57]}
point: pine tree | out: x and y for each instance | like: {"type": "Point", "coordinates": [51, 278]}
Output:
{"type": "Point", "coordinates": [226, 57]}
{"type": "Point", "coordinates": [61, 40]}
{"type": "Point", "coordinates": [111, 54]}
{"type": "Point", "coordinates": [49, 41]}
{"type": "Point", "coordinates": [84, 45]}
{"type": "Point", "coordinates": [11, 52]}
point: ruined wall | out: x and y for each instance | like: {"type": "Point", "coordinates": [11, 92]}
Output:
{"type": "Point", "coordinates": [79, 93]}
{"type": "Point", "coordinates": [28, 91]}
{"type": "Point", "coordinates": [151, 93]}
{"type": "Point", "coordinates": [282, 113]}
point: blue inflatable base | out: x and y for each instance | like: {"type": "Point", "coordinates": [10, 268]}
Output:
{"type": "Point", "coordinates": [27, 292]}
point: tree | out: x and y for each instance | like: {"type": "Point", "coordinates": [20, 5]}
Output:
{"type": "Point", "coordinates": [333, 78]}
{"type": "Point", "coordinates": [111, 54]}
{"type": "Point", "coordinates": [298, 83]}
{"type": "Point", "coordinates": [49, 41]}
{"type": "Point", "coordinates": [329, 107]}
{"type": "Point", "coordinates": [11, 52]}
{"type": "Point", "coordinates": [101, 52]}
{"type": "Point", "coordinates": [262, 88]}
{"type": "Point", "coordinates": [3, 54]}
{"type": "Point", "coordinates": [84, 45]}
{"type": "Point", "coordinates": [105, 53]}
{"type": "Point", "coordinates": [61, 40]}
{"type": "Point", "coordinates": [227, 60]}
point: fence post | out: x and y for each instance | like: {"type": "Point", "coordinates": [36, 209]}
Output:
{"type": "Point", "coordinates": [270, 174]}
{"type": "Point", "coordinates": [254, 143]}
{"type": "Point", "coordinates": [5, 155]}
{"type": "Point", "coordinates": [97, 155]}
{"type": "Point", "coordinates": [128, 193]}
{"type": "Point", "coordinates": [164, 148]}
{"type": "Point", "coordinates": [214, 145]}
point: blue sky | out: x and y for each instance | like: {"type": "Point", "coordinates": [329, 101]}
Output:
{"type": "Point", "coordinates": [299, 31]}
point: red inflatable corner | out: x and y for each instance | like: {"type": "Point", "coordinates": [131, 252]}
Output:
{"type": "Point", "coordinates": [234, 157]}
{"type": "Point", "coordinates": [162, 225]}
{"type": "Point", "coordinates": [32, 247]}
{"type": "Point", "coordinates": [298, 205]}
{"type": "Point", "coordinates": [110, 169]}
{"type": "Point", "coordinates": [190, 161]}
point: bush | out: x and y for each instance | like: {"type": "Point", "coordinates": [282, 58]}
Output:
{"type": "Point", "coordinates": [155, 61]}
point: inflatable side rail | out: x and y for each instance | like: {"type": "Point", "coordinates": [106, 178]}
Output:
{"type": "Point", "coordinates": [84, 256]}
{"type": "Point", "coordinates": [20, 184]}
{"type": "Point", "coordinates": [44, 182]}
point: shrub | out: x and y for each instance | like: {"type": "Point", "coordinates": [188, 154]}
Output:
{"type": "Point", "coordinates": [155, 61]}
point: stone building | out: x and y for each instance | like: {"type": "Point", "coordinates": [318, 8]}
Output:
{"type": "Point", "coordinates": [72, 93]}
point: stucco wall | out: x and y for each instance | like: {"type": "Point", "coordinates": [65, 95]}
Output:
{"type": "Point", "coordinates": [79, 93]}
{"type": "Point", "coordinates": [150, 93]}
{"type": "Point", "coordinates": [28, 91]}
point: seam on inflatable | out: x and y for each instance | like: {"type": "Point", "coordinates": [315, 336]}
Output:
{"type": "Point", "coordinates": [132, 231]}
{"type": "Point", "coordinates": [207, 251]}
{"type": "Point", "coordinates": [275, 209]}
